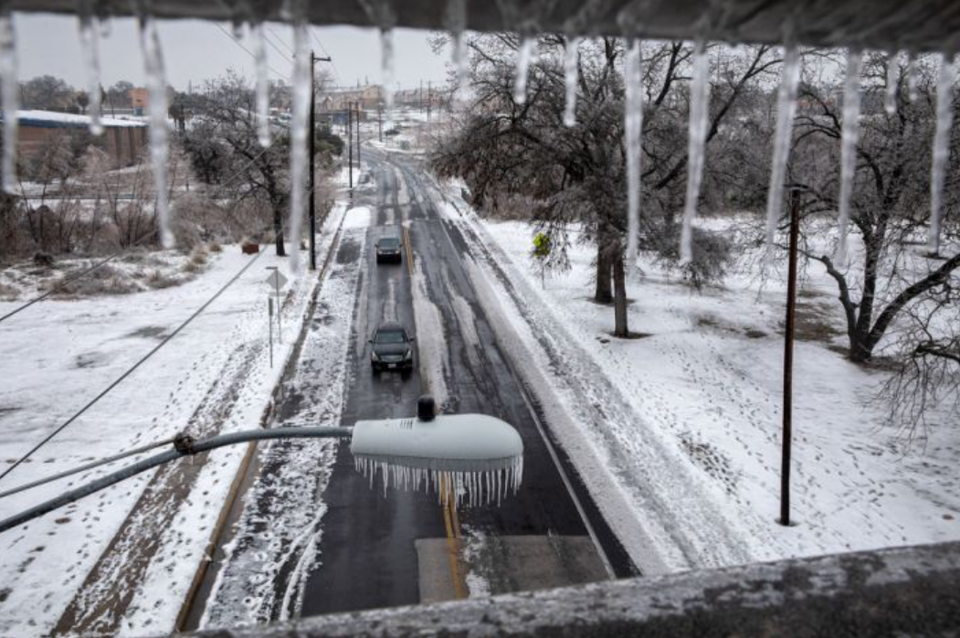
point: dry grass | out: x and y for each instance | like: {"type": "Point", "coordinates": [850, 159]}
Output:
{"type": "Point", "coordinates": [8, 292]}
{"type": "Point", "coordinates": [157, 280]}
{"type": "Point", "coordinates": [106, 280]}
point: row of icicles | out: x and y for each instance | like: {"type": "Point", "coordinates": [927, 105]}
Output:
{"type": "Point", "coordinates": [467, 488]}
{"type": "Point", "coordinates": [786, 109]}
{"type": "Point", "coordinates": [455, 18]}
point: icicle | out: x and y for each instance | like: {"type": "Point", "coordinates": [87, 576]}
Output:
{"type": "Point", "coordinates": [11, 94]}
{"type": "Point", "coordinates": [157, 107]}
{"type": "Point", "coordinates": [941, 149]}
{"type": "Point", "coordinates": [913, 77]}
{"type": "Point", "coordinates": [381, 13]}
{"type": "Point", "coordinates": [105, 26]}
{"type": "Point", "coordinates": [263, 85]}
{"type": "Point", "coordinates": [456, 19]}
{"type": "Point", "coordinates": [848, 147]}
{"type": "Point", "coordinates": [386, 64]}
{"type": "Point", "coordinates": [89, 33]}
{"type": "Point", "coordinates": [523, 67]}
{"type": "Point", "coordinates": [633, 131]}
{"type": "Point", "coordinates": [699, 114]}
{"type": "Point", "coordinates": [570, 60]}
{"type": "Point", "coordinates": [893, 77]}
{"type": "Point", "coordinates": [786, 108]}
{"type": "Point", "coordinates": [298, 135]}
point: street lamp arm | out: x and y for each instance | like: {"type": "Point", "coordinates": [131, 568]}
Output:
{"type": "Point", "coordinates": [183, 446]}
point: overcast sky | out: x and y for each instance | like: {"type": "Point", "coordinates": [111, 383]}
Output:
{"type": "Point", "coordinates": [195, 51]}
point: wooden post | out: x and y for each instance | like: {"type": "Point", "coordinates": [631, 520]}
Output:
{"type": "Point", "coordinates": [788, 359]}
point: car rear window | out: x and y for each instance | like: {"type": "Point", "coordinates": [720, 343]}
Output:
{"type": "Point", "coordinates": [390, 336]}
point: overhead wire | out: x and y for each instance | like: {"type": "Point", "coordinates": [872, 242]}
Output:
{"type": "Point", "coordinates": [279, 39]}
{"type": "Point", "coordinates": [326, 53]}
{"type": "Point", "coordinates": [130, 370]}
{"type": "Point", "coordinates": [270, 41]}
{"type": "Point", "coordinates": [249, 52]}
{"type": "Point", "coordinates": [86, 466]}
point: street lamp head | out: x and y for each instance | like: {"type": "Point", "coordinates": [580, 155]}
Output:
{"type": "Point", "coordinates": [480, 456]}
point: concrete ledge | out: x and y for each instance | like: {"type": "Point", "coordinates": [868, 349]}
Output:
{"type": "Point", "coordinates": [905, 591]}
{"type": "Point", "coordinates": [879, 24]}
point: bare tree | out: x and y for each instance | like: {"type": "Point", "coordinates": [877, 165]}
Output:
{"type": "Point", "coordinates": [890, 204]}
{"type": "Point", "coordinates": [46, 92]}
{"type": "Point", "coordinates": [578, 174]}
{"type": "Point", "coordinates": [223, 145]}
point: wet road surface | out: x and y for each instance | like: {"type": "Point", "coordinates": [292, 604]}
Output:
{"type": "Point", "coordinates": [381, 550]}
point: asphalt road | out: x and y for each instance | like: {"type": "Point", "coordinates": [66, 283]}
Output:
{"type": "Point", "coordinates": [385, 550]}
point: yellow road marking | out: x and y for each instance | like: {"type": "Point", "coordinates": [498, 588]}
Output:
{"type": "Point", "coordinates": [406, 244]}
{"type": "Point", "coordinates": [453, 536]}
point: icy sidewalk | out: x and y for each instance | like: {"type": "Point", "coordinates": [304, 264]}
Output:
{"type": "Point", "coordinates": [683, 425]}
{"type": "Point", "coordinates": [91, 558]}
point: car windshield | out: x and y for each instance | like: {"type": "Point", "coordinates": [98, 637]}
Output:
{"type": "Point", "coordinates": [390, 336]}
{"type": "Point", "coordinates": [389, 242]}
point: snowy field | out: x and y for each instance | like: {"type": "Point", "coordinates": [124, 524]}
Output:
{"type": "Point", "coordinates": [702, 387]}
{"type": "Point", "coordinates": [214, 376]}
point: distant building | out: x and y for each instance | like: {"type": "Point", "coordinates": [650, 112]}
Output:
{"type": "Point", "coordinates": [123, 140]}
{"type": "Point", "coordinates": [139, 100]}
{"type": "Point", "coordinates": [420, 98]}
{"type": "Point", "coordinates": [369, 97]}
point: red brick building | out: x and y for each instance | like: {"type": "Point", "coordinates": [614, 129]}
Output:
{"type": "Point", "coordinates": [123, 140]}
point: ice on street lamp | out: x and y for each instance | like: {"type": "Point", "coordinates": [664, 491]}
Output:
{"type": "Point", "coordinates": [480, 456]}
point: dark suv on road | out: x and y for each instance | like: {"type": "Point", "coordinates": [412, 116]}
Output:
{"type": "Point", "coordinates": [389, 249]}
{"type": "Point", "coordinates": [392, 348]}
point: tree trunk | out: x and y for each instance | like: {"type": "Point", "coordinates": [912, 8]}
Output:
{"type": "Point", "coordinates": [860, 350]}
{"type": "Point", "coordinates": [604, 293]}
{"type": "Point", "coordinates": [278, 232]}
{"type": "Point", "coordinates": [620, 299]}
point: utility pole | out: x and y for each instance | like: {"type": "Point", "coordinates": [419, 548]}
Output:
{"type": "Point", "coordinates": [350, 141]}
{"type": "Point", "coordinates": [429, 99]}
{"type": "Point", "coordinates": [421, 96]}
{"type": "Point", "coordinates": [313, 160]}
{"type": "Point", "coordinates": [788, 359]}
{"type": "Point", "coordinates": [359, 166]}
{"type": "Point", "coordinates": [379, 116]}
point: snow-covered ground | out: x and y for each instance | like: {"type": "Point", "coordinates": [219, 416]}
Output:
{"type": "Point", "coordinates": [681, 446]}
{"type": "Point", "coordinates": [214, 376]}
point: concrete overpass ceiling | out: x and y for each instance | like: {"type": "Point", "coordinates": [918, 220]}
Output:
{"type": "Point", "coordinates": [920, 25]}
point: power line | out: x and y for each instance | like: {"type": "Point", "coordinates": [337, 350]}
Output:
{"type": "Point", "coordinates": [333, 62]}
{"type": "Point", "coordinates": [85, 467]}
{"type": "Point", "coordinates": [131, 370]}
{"type": "Point", "coordinates": [273, 46]}
{"type": "Point", "coordinates": [249, 52]}
{"type": "Point", "coordinates": [280, 39]}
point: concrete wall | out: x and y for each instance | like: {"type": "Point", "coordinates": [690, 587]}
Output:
{"type": "Point", "coordinates": [912, 591]}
